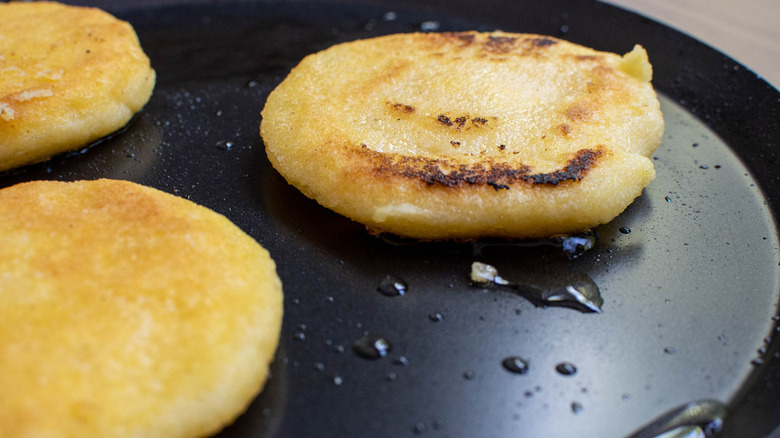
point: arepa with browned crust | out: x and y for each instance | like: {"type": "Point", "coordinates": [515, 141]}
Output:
{"type": "Point", "coordinates": [128, 312]}
{"type": "Point", "coordinates": [467, 135]}
{"type": "Point", "coordinates": [68, 77]}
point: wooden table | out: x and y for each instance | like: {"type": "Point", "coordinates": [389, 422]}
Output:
{"type": "Point", "coordinates": [746, 30]}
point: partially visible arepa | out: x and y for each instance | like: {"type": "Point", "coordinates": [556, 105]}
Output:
{"type": "Point", "coordinates": [128, 312]}
{"type": "Point", "coordinates": [68, 77]}
{"type": "Point", "coordinates": [467, 135]}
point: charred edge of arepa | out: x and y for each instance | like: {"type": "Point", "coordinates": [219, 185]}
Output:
{"type": "Point", "coordinates": [498, 42]}
{"type": "Point", "coordinates": [499, 175]}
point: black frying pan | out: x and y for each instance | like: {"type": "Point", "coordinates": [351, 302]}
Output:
{"type": "Point", "coordinates": [688, 274]}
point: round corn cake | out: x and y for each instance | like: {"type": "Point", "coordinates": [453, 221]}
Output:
{"type": "Point", "coordinates": [467, 135]}
{"type": "Point", "coordinates": [68, 77]}
{"type": "Point", "coordinates": [127, 312]}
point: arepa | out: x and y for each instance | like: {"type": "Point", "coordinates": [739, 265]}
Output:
{"type": "Point", "coordinates": [128, 312]}
{"type": "Point", "coordinates": [69, 76]}
{"type": "Point", "coordinates": [467, 135]}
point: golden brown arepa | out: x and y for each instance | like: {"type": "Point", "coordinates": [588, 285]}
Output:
{"type": "Point", "coordinates": [68, 77]}
{"type": "Point", "coordinates": [128, 312]}
{"type": "Point", "coordinates": [467, 135]}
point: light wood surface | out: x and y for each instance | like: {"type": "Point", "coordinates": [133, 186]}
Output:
{"type": "Point", "coordinates": [746, 30]}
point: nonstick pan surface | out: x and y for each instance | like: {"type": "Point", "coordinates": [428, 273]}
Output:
{"type": "Point", "coordinates": [688, 273]}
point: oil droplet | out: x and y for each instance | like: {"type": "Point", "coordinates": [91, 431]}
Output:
{"type": "Point", "coordinates": [436, 317]}
{"type": "Point", "coordinates": [371, 347]}
{"type": "Point", "coordinates": [566, 369]}
{"type": "Point", "coordinates": [429, 26]}
{"type": "Point", "coordinates": [625, 230]}
{"type": "Point", "coordinates": [391, 286]}
{"type": "Point", "coordinates": [670, 350]}
{"type": "Point", "coordinates": [575, 245]}
{"type": "Point", "coordinates": [401, 360]}
{"type": "Point", "coordinates": [338, 380]}
{"type": "Point", "coordinates": [516, 364]}
{"type": "Point", "coordinates": [576, 407]}
{"type": "Point", "coordinates": [224, 145]}
{"type": "Point", "coordinates": [581, 293]}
